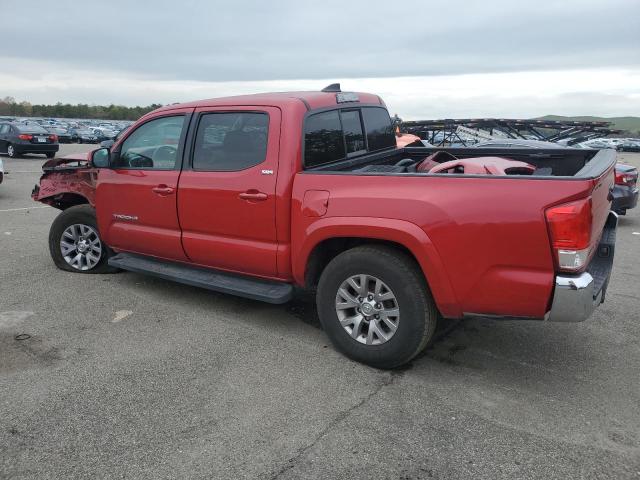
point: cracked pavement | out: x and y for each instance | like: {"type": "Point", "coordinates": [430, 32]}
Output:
{"type": "Point", "coordinates": [192, 384]}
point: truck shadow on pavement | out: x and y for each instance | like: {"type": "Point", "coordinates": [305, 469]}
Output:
{"type": "Point", "coordinates": [504, 351]}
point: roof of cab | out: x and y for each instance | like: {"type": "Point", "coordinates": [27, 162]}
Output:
{"type": "Point", "coordinates": [311, 100]}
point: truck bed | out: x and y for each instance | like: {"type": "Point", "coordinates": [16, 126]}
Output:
{"type": "Point", "coordinates": [569, 162]}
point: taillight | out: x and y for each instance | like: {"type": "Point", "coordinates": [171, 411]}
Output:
{"type": "Point", "coordinates": [570, 231]}
{"type": "Point", "coordinates": [53, 138]}
{"type": "Point", "coordinates": [626, 178]}
{"type": "Point", "coordinates": [25, 136]}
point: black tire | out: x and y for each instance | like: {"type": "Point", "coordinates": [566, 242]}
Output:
{"type": "Point", "coordinates": [84, 215]}
{"type": "Point", "coordinates": [79, 140]}
{"type": "Point", "coordinates": [418, 312]}
{"type": "Point", "coordinates": [50, 154]}
{"type": "Point", "coordinates": [12, 152]}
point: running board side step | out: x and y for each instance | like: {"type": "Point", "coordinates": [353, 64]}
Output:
{"type": "Point", "coordinates": [241, 286]}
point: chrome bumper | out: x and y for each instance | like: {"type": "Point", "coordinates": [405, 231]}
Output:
{"type": "Point", "coordinates": [573, 299]}
{"type": "Point", "coordinates": [576, 296]}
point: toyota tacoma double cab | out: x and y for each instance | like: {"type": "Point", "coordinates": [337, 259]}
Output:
{"type": "Point", "coordinates": [255, 195]}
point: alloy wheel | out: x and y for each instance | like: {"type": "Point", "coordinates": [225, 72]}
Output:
{"type": "Point", "coordinates": [81, 246]}
{"type": "Point", "coordinates": [367, 309]}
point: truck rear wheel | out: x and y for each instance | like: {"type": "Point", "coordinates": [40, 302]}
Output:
{"type": "Point", "coordinates": [75, 244]}
{"type": "Point", "coordinates": [375, 306]}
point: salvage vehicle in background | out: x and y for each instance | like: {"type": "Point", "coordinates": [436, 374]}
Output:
{"type": "Point", "coordinates": [64, 136]}
{"type": "Point", "coordinates": [17, 139]}
{"type": "Point", "coordinates": [517, 143]}
{"type": "Point", "coordinates": [628, 145]}
{"type": "Point", "coordinates": [625, 193]}
{"type": "Point", "coordinates": [83, 135]}
{"type": "Point", "coordinates": [253, 195]}
{"type": "Point", "coordinates": [109, 143]}
{"type": "Point", "coordinates": [102, 134]}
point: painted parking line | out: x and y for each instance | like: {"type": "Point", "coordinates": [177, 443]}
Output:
{"type": "Point", "coordinates": [23, 208]}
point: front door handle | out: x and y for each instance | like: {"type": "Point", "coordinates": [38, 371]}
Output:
{"type": "Point", "coordinates": [253, 195]}
{"type": "Point", "coordinates": [163, 190]}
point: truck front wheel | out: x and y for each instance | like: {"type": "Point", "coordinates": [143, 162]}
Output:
{"type": "Point", "coordinates": [375, 306]}
{"type": "Point", "coordinates": [75, 244]}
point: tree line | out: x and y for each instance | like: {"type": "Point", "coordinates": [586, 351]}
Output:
{"type": "Point", "coordinates": [10, 107]}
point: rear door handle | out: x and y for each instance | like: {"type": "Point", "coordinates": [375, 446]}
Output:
{"type": "Point", "coordinates": [253, 195]}
{"type": "Point", "coordinates": [162, 190]}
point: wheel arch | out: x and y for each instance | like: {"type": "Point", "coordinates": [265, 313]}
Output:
{"type": "Point", "coordinates": [63, 201]}
{"type": "Point", "coordinates": [329, 237]}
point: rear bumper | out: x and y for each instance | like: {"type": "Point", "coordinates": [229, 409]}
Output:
{"type": "Point", "coordinates": [36, 148]}
{"type": "Point", "coordinates": [624, 198]}
{"type": "Point", "coordinates": [576, 296]}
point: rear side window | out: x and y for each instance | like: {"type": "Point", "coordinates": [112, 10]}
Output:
{"type": "Point", "coordinates": [4, 128]}
{"type": "Point", "coordinates": [323, 140]}
{"type": "Point", "coordinates": [227, 142]}
{"type": "Point", "coordinates": [379, 130]}
{"type": "Point", "coordinates": [337, 134]}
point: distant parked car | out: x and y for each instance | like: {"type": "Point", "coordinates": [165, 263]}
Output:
{"type": "Point", "coordinates": [1, 171]}
{"type": "Point", "coordinates": [83, 135]}
{"type": "Point", "coordinates": [629, 146]}
{"type": "Point", "coordinates": [625, 192]}
{"type": "Point", "coordinates": [63, 135]}
{"type": "Point", "coordinates": [103, 134]}
{"type": "Point", "coordinates": [109, 143]}
{"type": "Point", "coordinates": [17, 139]}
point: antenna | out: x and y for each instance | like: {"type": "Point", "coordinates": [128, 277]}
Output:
{"type": "Point", "coordinates": [334, 87]}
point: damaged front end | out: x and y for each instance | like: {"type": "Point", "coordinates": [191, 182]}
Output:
{"type": "Point", "coordinates": [66, 182]}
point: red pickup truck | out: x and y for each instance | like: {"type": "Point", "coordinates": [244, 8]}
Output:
{"type": "Point", "coordinates": [253, 195]}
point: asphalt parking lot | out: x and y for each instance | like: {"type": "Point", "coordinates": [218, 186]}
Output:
{"type": "Point", "coordinates": [126, 376]}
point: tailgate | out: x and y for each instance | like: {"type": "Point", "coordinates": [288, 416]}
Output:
{"type": "Point", "coordinates": [601, 197]}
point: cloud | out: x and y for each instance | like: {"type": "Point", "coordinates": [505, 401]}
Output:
{"type": "Point", "coordinates": [427, 59]}
{"type": "Point", "coordinates": [608, 92]}
{"type": "Point", "coordinates": [256, 40]}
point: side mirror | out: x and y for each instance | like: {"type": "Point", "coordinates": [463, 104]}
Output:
{"type": "Point", "coordinates": [100, 158]}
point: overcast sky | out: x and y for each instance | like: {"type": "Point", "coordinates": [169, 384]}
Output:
{"type": "Point", "coordinates": [428, 59]}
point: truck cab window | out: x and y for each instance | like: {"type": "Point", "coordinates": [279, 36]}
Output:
{"type": "Point", "coordinates": [153, 145]}
{"type": "Point", "coordinates": [377, 124]}
{"type": "Point", "coordinates": [323, 140]}
{"type": "Point", "coordinates": [228, 142]}
{"type": "Point", "coordinates": [352, 128]}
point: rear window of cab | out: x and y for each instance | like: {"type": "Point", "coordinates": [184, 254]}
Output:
{"type": "Point", "coordinates": [335, 135]}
